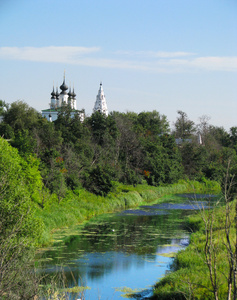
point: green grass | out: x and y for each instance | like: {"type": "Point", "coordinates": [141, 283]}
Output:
{"type": "Point", "coordinates": [81, 205]}
{"type": "Point", "coordinates": [190, 279]}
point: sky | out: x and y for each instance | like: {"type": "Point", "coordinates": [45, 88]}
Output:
{"type": "Point", "coordinates": [164, 55]}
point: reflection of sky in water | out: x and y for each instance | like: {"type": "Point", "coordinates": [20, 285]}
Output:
{"type": "Point", "coordinates": [144, 212]}
{"type": "Point", "coordinates": [123, 250]}
{"type": "Point", "coordinates": [195, 205]}
{"type": "Point", "coordinates": [128, 271]}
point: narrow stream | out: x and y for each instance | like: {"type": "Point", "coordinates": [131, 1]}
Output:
{"type": "Point", "coordinates": [131, 249]}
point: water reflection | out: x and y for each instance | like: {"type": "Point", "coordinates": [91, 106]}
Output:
{"type": "Point", "coordinates": [125, 249]}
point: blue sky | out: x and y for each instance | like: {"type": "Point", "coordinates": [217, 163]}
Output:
{"type": "Point", "coordinates": [163, 55]}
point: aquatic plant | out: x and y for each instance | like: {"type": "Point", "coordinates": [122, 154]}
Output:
{"type": "Point", "coordinates": [82, 205]}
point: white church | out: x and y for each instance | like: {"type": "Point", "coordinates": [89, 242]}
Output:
{"type": "Point", "coordinates": [64, 98]}
{"type": "Point", "coordinates": [100, 103]}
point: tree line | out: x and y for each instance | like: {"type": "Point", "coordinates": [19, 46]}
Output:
{"type": "Point", "coordinates": [127, 147]}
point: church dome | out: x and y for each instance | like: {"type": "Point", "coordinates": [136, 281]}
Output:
{"type": "Point", "coordinates": [64, 87]}
{"type": "Point", "coordinates": [53, 93]}
{"type": "Point", "coordinates": [57, 94]}
{"type": "Point", "coordinates": [73, 94]}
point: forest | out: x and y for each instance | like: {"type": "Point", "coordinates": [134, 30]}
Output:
{"type": "Point", "coordinates": [124, 147]}
{"type": "Point", "coordinates": [46, 165]}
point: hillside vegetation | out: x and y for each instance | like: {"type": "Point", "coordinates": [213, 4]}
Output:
{"type": "Point", "coordinates": [56, 174]}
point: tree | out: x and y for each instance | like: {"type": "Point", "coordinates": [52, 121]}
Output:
{"type": "Point", "coordinates": [24, 142]}
{"type": "Point", "coordinates": [151, 123]}
{"type": "Point", "coordinates": [19, 229]}
{"type": "Point", "coordinates": [162, 160]}
{"type": "Point", "coordinates": [233, 137]}
{"type": "Point", "coordinates": [213, 244]}
{"type": "Point", "coordinates": [69, 124]}
{"type": "Point", "coordinates": [97, 180]}
{"type": "Point", "coordinates": [98, 126]}
{"type": "Point", "coordinates": [203, 128]}
{"type": "Point", "coordinates": [6, 131]}
{"type": "Point", "coordinates": [216, 138]}
{"type": "Point", "coordinates": [3, 107]}
{"type": "Point", "coordinates": [48, 141]}
{"type": "Point", "coordinates": [55, 177]}
{"type": "Point", "coordinates": [184, 127]}
{"type": "Point", "coordinates": [128, 150]}
{"type": "Point", "coordinates": [229, 188]}
{"type": "Point", "coordinates": [73, 166]}
{"type": "Point", "coordinates": [194, 160]}
{"type": "Point", "coordinates": [21, 116]}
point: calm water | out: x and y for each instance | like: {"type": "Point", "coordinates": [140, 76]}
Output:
{"type": "Point", "coordinates": [129, 249]}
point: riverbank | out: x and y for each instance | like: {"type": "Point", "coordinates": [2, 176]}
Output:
{"type": "Point", "coordinates": [121, 249]}
{"type": "Point", "coordinates": [81, 205]}
{"type": "Point", "coordinates": [203, 269]}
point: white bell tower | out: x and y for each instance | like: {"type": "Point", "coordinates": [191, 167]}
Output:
{"type": "Point", "coordinates": [100, 103]}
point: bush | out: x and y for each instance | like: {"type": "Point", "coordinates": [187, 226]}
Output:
{"type": "Point", "coordinates": [97, 181]}
{"type": "Point", "coordinates": [19, 229]}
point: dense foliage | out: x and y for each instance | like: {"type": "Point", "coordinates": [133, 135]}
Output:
{"type": "Point", "coordinates": [48, 168]}
{"type": "Point", "coordinates": [20, 182]}
{"type": "Point", "coordinates": [68, 155]}
{"type": "Point", "coordinates": [124, 147]}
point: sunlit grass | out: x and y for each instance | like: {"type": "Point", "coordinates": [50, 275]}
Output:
{"type": "Point", "coordinates": [190, 279]}
{"type": "Point", "coordinates": [127, 291]}
{"type": "Point", "coordinates": [80, 206]}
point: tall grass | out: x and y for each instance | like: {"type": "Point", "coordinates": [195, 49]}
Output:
{"type": "Point", "coordinates": [81, 205]}
{"type": "Point", "coordinates": [191, 277]}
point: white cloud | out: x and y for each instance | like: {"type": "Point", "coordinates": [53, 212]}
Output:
{"type": "Point", "coordinates": [46, 54]}
{"type": "Point", "coordinates": [162, 62]}
{"type": "Point", "coordinates": [172, 54]}
{"type": "Point", "coordinates": [161, 54]}
{"type": "Point", "coordinates": [216, 63]}
{"type": "Point", "coordinates": [208, 63]}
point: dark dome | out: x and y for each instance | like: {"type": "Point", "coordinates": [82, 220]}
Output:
{"type": "Point", "coordinates": [53, 94]}
{"type": "Point", "coordinates": [57, 93]}
{"type": "Point", "coordinates": [64, 87]}
{"type": "Point", "coordinates": [73, 94]}
{"type": "Point", "coordinates": [70, 93]}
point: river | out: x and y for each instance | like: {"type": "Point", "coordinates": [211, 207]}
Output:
{"type": "Point", "coordinates": [122, 251]}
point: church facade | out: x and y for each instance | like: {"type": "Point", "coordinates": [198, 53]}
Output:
{"type": "Point", "coordinates": [67, 97]}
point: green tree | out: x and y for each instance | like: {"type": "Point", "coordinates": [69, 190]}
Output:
{"type": "Point", "coordinates": [98, 126]}
{"type": "Point", "coordinates": [194, 160]}
{"type": "Point", "coordinates": [162, 160]}
{"type": "Point", "coordinates": [128, 149]}
{"type": "Point", "coordinates": [69, 124]}
{"type": "Point", "coordinates": [184, 127]}
{"type": "Point", "coordinates": [21, 116]}
{"type": "Point", "coordinates": [152, 123]}
{"type": "Point", "coordinates": [3, 107]}
{"type": "Point", "coordinates": [98, 180]}
{"type": "Point", "coordinates": [19, 229]}
{"type": "Point", "coordinates": [24, 142]}
{"type": "Point", "coordinates": [6, 131]}
{"type": "Point", "coordinates": [48, 141]}
{"type": "Point", "coordinates": [55, 177]}
{"type": "Point", "coordinates": [73, 167]}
